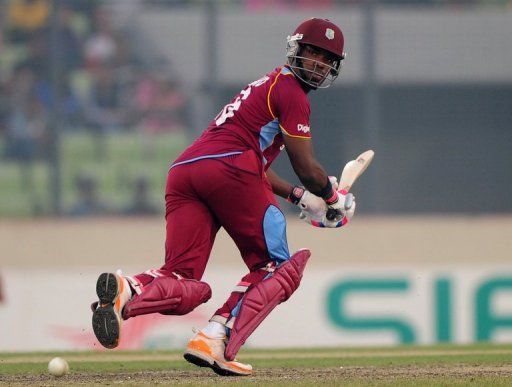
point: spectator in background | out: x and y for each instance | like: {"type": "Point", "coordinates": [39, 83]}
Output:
{"type": "Point", "coordinates": [105, 107]}
{"type": "Point", "coordinates": [159, 103]}
{"type": "Point", "coordinates": [256, 5]}
{"type": "Point", "coordinates": [1, 29]}
{"type": "Point", "coordinates": [3, 94]}
{"type": "Point", "coordinates": [37, 55]}
{"type": "Point", "coordinates": [26, 17]}
{"type": "Point", "coordinates": [89, 203]}
{"type": "Point", "coordinates": [4, 107]}
{"type": "Point", "coordinates": [70, 108]}
{"type": "Point", "coordinates": [141, 202]}
{"type": "Point", "coordinates": [26, 122]}
{"type": "Point", "coordinates": [26, 130]}
{"type": "Point", "coordinates": [101, 46]}
{"type": "Point", "coordinates": [69, 41]}
{"type": "Point", "coordinates": [37, 62]}
{"type": "Point", "coordinates": [126, 61]}
{"type": "Point", "coordinates": [87, 8]}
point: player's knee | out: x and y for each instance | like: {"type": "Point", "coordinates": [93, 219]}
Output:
{"type": "Point", "coordinates": [289, 276]}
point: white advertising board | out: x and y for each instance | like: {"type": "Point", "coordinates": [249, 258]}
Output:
{"type": "Point", "coordinates": [335, 306]}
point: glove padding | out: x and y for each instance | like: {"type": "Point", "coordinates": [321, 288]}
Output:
{"type": "Point", "coordinates": [322, 221]}
{"type": "Point", "coordinates": [312, 206]}
{"type": "Point", "coordinates": [334, 182]}
{"type": "Point", "coordinates": [336, 206]}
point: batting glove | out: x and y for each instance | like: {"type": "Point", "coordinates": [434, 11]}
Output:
{"type": "Point", "coordinates": [311, 205]}
{"type": "Point", "coordinates": [348, 212]}
{"type": "Point", "coordinates": [313, 208]}
{"type": "Point", "coordinates": [334, 182]}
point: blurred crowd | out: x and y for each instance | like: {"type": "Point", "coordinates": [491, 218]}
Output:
{"type": "Point", "coordinates": [75, 68]}
{"type": "Point", "coordinates": [255, 5]}
{"type": "Point", "coordinates": [102, 84]}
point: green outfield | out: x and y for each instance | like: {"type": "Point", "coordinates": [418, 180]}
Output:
{"type": "Point", "coordinates": [478, 365]}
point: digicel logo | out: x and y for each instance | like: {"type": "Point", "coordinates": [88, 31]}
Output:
{"type": "Point", "coordinates": [303, 128]}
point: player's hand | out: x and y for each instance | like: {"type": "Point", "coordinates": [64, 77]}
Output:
{"type": "Point", "coordinates": [334, 182]}
{"type": "Point", "coordinates": [348, 211]}
{"type": "Point", "coordinates": [336, 206]}
{"type": "Point", "coordinates": [350, 202]}
{"type": "Point", "coordinates": [311, 205]}
{"type": "Point", "coordinates": [350, 206]}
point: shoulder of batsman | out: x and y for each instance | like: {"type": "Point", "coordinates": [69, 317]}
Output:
{"type": "Point", "coordinates": [289, 83]}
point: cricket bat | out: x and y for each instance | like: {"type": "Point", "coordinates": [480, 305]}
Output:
{"type": "Point", "coordinates": [351, 172]}
{"type": "Point", "coordinates": [353, 169]}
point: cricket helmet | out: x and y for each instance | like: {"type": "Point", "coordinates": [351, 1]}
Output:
{"type": "Point", "coordinates": [320, 33]}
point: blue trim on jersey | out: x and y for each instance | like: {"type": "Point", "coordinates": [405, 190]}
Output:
{"type": "Point", "coordinates": [286, 70]}
{"type": "Point", "coordinates": [274, 231]}
{"type": "Point", "coordinates": [206, 157]}
{"type": "Point", "coordinates": [268, 133]}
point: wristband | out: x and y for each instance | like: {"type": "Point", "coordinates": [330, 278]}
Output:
{"type": "Point", "coordinates": [333, 198]}
{"type": "Point", "coordinates": [325, 193]}
{"type": "Point", "coordinates": [296, 194]}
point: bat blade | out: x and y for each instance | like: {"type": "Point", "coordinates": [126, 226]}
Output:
{"type": "Point", "coordinates": [355, 168]}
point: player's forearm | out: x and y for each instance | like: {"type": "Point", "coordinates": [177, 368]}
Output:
{"type": "Point", "coordinates": [309, 171]}
{"type": "Point", "coordinates": [279, 186]}
{"type": "Point", "coordinates": [313, 177]}
{"type": "Point", "coordinates": [316, 181]}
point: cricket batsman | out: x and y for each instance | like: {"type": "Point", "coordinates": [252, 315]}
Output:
{"type": "Point", "coordinates": [224, 179]}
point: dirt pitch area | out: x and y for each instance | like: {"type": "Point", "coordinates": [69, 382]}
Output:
{"type": "Point", "coordinates": [280, 376]}
{"type": "Point", "coordinates": [484, 365]}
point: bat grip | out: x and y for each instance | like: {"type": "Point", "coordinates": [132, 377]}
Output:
{"type": "Point", "coordinates": [332, 214]}
{"type": "Point", "coordinates": [349, 200]}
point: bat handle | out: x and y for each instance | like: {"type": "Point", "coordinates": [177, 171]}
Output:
{"type": "Point", "coordinates": [332, 214]}
{"type": "Point", "coordinates": [349, 200]}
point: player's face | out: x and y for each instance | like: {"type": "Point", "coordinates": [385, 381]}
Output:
{"type": "Point", "coordinates": [317, 63]}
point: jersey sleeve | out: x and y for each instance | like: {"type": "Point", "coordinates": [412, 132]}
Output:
{"type": "Point", "coordinates": [290, 105]}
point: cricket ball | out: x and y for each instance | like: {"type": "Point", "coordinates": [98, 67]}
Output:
{"type": "Point", "coordinates": [58, 367]}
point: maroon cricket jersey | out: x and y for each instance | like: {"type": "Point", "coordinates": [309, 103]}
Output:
{"type": "Point", "coordinates": [256, 119]}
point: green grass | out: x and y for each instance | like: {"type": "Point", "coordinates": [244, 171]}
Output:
{"type": "Point", "coordinates": [114, 161]}
{"type": "Point", "coordinates": [441, 365]}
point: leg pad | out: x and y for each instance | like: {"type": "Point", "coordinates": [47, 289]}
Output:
{"type": "Point", "coordinates": [261, 299]}
{"type": "Point", "coordinates": [168, 295]}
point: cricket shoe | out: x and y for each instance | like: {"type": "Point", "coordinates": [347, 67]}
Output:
{"type": "Point", "coordinates": [205, 351]}
{"type": "Point", "coordinates": [113, 292]}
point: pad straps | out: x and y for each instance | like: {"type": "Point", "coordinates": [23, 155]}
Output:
{"type": "Point", "coordinates": [168, 295]}
{"type": "Point", "coordinates": [262, 298]}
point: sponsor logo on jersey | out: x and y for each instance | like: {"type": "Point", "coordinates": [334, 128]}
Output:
{"type": "Point", "coordinates": [329, 34]}
{"type": "Point", "coordinates": [303, 128]}
{"type": "Point", "coordinates": [281, 147]}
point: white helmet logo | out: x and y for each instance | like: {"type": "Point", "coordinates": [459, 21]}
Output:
{"type": "Point", "coordinates": [329, 34]}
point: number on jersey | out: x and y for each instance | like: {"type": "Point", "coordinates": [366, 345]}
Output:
{"type": "Point", "coordinates": [230, 109]}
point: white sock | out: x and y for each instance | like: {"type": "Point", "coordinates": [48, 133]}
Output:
{"type": "Point", "coordinates": [214, 330]}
